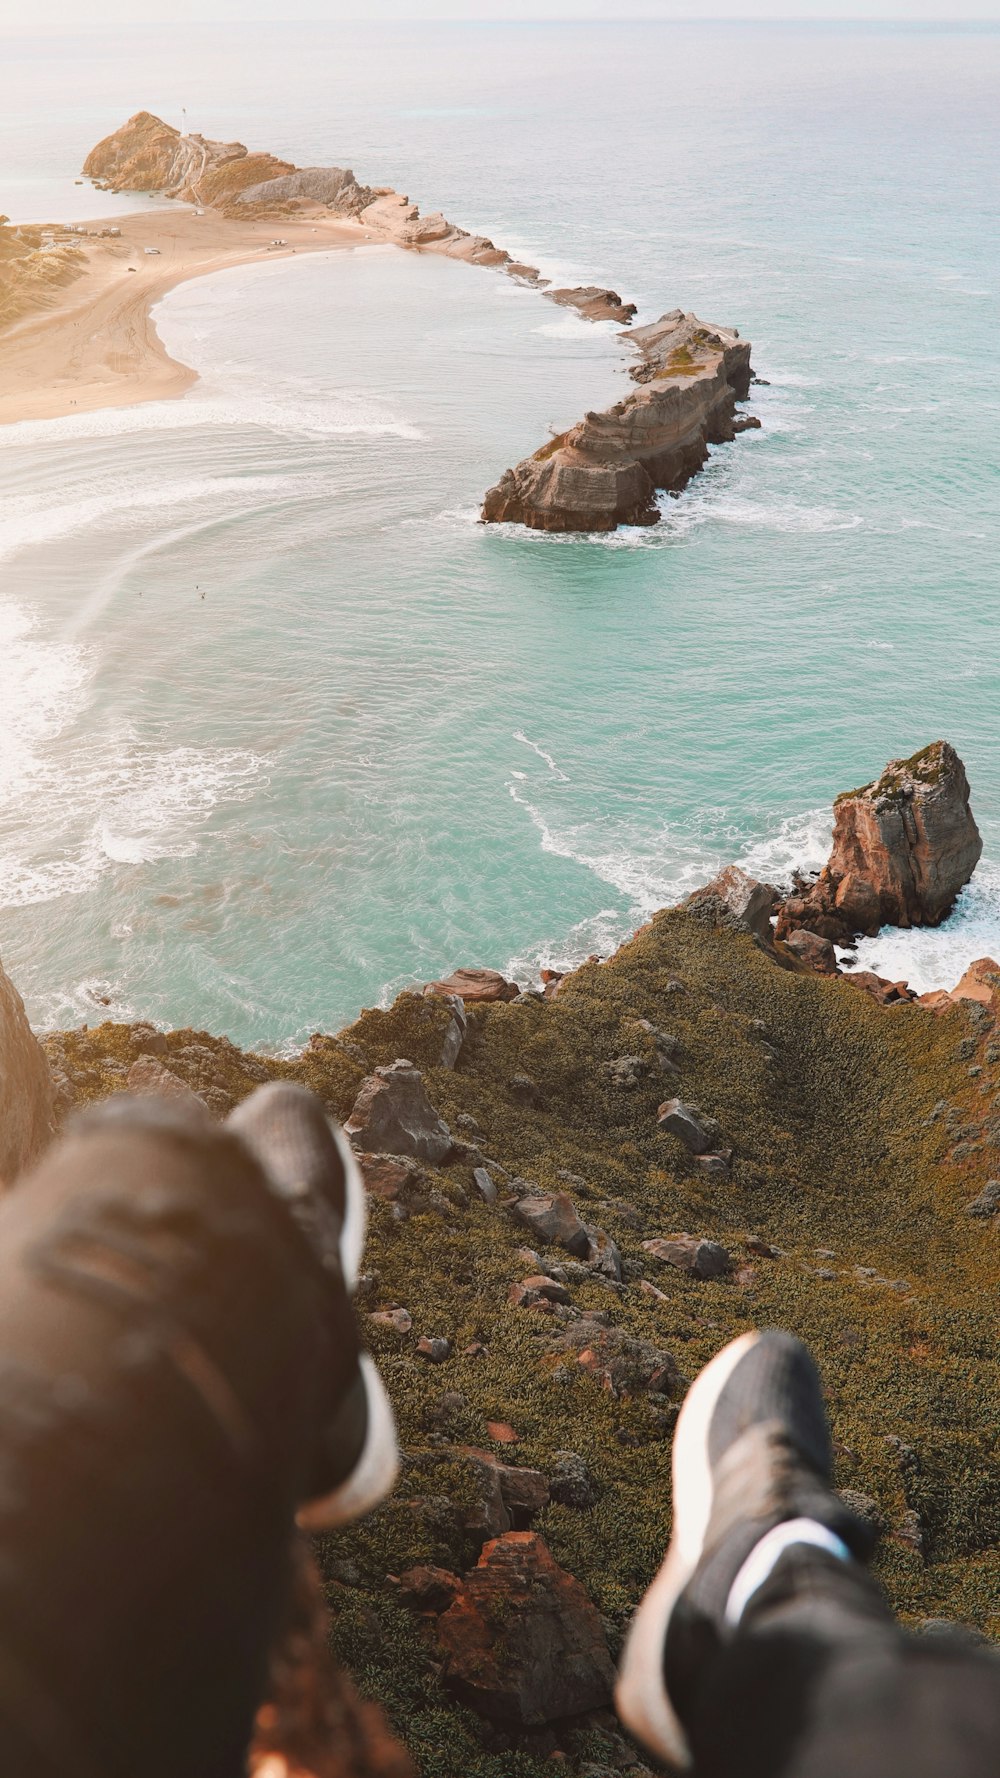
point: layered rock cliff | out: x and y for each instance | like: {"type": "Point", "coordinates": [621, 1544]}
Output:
{"type": "Point", "coordinates": [903, 848]}
{"type": "Point", "coordinates": [606, 471]}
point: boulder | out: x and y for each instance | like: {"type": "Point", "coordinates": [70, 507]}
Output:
{"type": "Point", "coordinates": [594, 304]}
{"type": "Point", "coordinates": [398, 1321]}
{"type": "Point", "coordinates": [816, 952]}
{"type": "Point", "coordinates": [429, 1589]}
{"type": "Point", "coordinates": [147, 1075]}
{"type": "Point", "coordinates": [537, 1289]}
{"type": "Point", "coordinates": [603, 1255]}
{"type": "Point", "coordinates": [571, 1483]}
{"type": "Point", "coordinates": [604, 472]}
{"type": "Point", "coordinates": [523, 1492]}
{"type": "Point", "coordinates": [738, 901]}
{"type": "Point", "coordinates": [393, 1115]}
{"type": "Point", "coordinates": [475, 984]}
{"type": "Point", "coordinates": [981, 982]}
{"type": "Point", "coordinates": [682, 1121]}
{"type": "Point", "coordinates": [386, 1175]}
{"type": "Point", "coordinates": [553, 1217]}
{"type": "Point", "coordinates": [903, 848]}
{"type": "Point", "coordinates": [435, 1348]}
{"type": "Point", "coordinates": [522, 1644]}
{"type": "Point", "coordinates": [26, 1094]}
{"type": "Point", "coordinates": [690, 1253]}
{"type": "Point", "coordinates": [483, 1182]}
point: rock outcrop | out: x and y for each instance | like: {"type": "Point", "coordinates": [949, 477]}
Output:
{"type": "Point", "coordinates": [737, 900]}
{"type": "Point", "coordinates": [903, 848]}
{"type": "Point", "coordinates": [393, 1115]}
{"type": "Point", "coordinates": [26, 1100]}
{"type": "Point", "coordinates": [475, 984]}
{"type": "Point", "coordinates": [147, 154]}
{"type": "Point", "coordinates": [594, 304]}
{"type": "Point", "coordinates": [605, 471]}
{"type": "Point", "coordinates": [522, 1643]}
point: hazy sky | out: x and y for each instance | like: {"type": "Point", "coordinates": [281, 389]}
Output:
{"type": "Point", "coordinates": [77, 15]}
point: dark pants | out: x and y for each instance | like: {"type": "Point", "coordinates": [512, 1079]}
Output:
{"type": "Point", "coordinates": [163, 1367]}
{"type": "Point", "coordinates": [820, 1682]}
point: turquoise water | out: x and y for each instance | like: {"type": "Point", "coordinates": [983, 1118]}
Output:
{"type": "Point", "coordinates": [387, 741]}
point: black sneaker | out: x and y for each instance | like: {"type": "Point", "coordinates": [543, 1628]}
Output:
{"type": "Point", "coordinates": [751, 1451]}
{"type": "Point", "coordinates": [308, 1163]}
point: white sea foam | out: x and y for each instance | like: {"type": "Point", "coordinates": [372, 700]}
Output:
{"type": "Point", "coordinates": [340, 416]}
{"type": "Point", "coordinates": [556, 771]}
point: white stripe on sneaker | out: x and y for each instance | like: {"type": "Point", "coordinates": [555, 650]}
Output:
{"type": "Point", "coordinates": [765, 1554]}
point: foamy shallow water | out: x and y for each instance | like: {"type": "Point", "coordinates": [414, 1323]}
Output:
{"type": "Point", "coordinates": [283, 729]}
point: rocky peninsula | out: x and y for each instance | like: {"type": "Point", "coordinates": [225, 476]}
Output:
{"type": "Point", "coordinates": [578, 1193]}
{"type": "Point", "coordinates": [76, 332]}
{"type": "Point", "coordinates": [606, 471]}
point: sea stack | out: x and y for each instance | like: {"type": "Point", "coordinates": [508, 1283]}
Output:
{"type": "Point", "coordinates": [605, 472]}
{"type": "Point", "coordinates": [903, 848]}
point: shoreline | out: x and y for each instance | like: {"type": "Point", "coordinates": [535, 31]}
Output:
{"type": "Point", "coordinates": [97, 346]}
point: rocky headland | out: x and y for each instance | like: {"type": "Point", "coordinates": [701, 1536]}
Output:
{"type": "Point", "coordinates": [578, 1193]}
{"type": "Point", "coordinates": [606, 471]}
{"type": "Point", "coordinates": [903, 848]}
{"type": "Point", "coordinates": [147, 154]}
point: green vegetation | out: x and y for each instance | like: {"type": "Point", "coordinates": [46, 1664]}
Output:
{"type": "Point", "coordinates": [857, 1130]}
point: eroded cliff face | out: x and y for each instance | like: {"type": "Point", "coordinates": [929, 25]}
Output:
{"type": "Point", "coordinates": [903, 848]}
{"type": "Point", "coordinates": [147, 154]}
{"type": "Point", "coordinates": [605, 471]}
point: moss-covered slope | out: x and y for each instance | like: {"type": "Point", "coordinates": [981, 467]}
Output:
{"type": "Point", "coordinates": [859, 1133]}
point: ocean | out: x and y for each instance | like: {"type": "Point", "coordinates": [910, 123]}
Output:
{"type": "Point", "coordinates": [283, 729]}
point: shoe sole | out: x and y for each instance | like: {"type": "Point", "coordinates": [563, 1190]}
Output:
{"type": "Point", "coordinates": [641, 1695]}
{"type": "Point", "coordinates": [355, 1222]}
{"type": "Point", "coordinates": [374, 1474]}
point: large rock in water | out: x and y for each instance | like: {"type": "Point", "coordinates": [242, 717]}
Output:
{"type": "Point", "coordinates": [903, 847]}
{"type": "Point", "coordinates": [523, 1645]}
{"type": "Point", "coordinates": [605, 471]}
{"type": "Point", "coordinates": [25, 1087]}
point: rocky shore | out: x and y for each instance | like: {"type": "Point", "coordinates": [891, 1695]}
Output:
{"type": "Point", "coordinates": [606, 471]}
{"type": "Point", "coordinates": [578, 1192]}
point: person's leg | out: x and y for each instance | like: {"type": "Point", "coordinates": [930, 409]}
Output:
{"type": "Point", "coordinates": [763, 1648]}
{"type": "Point", "coordinates": [179, 1371]}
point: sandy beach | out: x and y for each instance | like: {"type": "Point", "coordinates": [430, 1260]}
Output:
{"type": "Point", "coordinates": [96, 346]}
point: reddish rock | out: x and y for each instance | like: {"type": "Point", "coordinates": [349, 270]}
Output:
{"type": "Point", "coordinates": [981, 982]}
{"type": "Point", "coordinates": [530, 1290]}
{"type": "Point", "coordinates": [818, 953]}
{"type": "Point", "coordinates": [690, 1253]}
{"type": "Point", "coordinates": [475, 984]}
{"type": "Point", "coordinates": [385, 1175]}
{"type": "Point", "coordinates": [522, 1643]}
{"type": "Point", "coordinates": [425, 1588]}
{"type": "Point", "coordinates": [903, 848]}
{"type": "Point", "coordinates": [594, 304]}
{"type": "Point", "coordinates": [398, 1321]}
{"type": "Point", "coordinates": [886, 993]}
{"type": "Point", "coordinates": [434, 1347]}
{"type": "Point", "coordinates": [553, 1217]}
{"type": "Point", "coordinates": [502, 1433]}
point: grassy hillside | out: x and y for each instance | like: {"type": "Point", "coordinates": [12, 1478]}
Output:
{"type": "Point", "coordinates": [859, 1134]}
